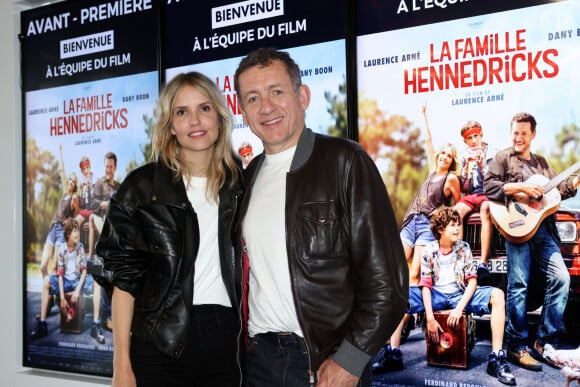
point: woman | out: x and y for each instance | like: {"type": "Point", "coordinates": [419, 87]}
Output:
{"type": "Point", "coordinates": [442, 186]}
{"type": "Point", "coordinates": [68, 207]}
{"type": "Point", "coordinates": [172, 247]}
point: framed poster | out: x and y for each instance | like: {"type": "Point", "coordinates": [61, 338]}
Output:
{"type": "Point", "coordinates": [90, 82]}
{"type": "Point", "coordinates": [225, 31]}
{"type": "Point", "coordinates": [482, 60]}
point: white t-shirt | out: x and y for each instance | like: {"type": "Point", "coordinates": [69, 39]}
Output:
{"type": "Point", "coordinates": [208, 285]}
{"type": "Point", "coordinates": [71, 263]}
{"type": "Point", "coordinates": [447, 283]}
{"type": "Point", "coordinates": [270, 298]}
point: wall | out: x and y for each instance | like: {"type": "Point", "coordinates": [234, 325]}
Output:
{"type": "Point", "coordinates": [11, 371]}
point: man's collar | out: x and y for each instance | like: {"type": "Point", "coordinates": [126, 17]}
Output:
{"type": "Point", "coordinates": [303, 149]}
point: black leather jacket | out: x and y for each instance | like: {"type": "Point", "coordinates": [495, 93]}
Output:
{"type": "Point", "coordinates": [149, 243]}
{"type": "Point", "coordinates": [347, 266]}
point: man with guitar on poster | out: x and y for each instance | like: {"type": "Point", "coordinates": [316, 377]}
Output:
{"type": "Point", "coordinates": [525, 193]}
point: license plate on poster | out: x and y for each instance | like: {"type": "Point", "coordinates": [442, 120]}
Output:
{"type": "Point", "coordinates": [498, 265]}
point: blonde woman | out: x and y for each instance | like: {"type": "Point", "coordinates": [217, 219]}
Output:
{"type": "Point", "coordinates": [441, 188]}
{"type": "Point", "coordinates": [172, 249]}
{"type": "Point", "coordinates": [68, 207]}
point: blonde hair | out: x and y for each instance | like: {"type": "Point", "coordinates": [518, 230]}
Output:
{"type": "Point", "coordinates": [73, 176]}
{"type": "Point", "coordinates": [453, 167]}
{"type": "Point", "coordinates": [166, 147]}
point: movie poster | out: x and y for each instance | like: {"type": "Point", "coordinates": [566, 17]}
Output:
{"type": "Point", "coordinates": [480, 66]}
{"type": "Point", "coordinates": [460, 61]}
{"type": "Point", "coordinates": [225, 31]}
{"type": "Point", "coordinates": [90, 84]}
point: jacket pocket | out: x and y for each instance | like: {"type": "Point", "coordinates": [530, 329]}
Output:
{"type": "Point", "coordinates": [161, 250]}
{"type": "Point", "coordinates": [321, 229]}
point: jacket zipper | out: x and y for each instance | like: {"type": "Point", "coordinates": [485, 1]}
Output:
{"type": "Point", "coordinates": [240, 315]}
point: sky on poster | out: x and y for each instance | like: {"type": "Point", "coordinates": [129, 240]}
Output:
{"type": "Point", "coordinates": [328, 55]}
{"type": "Point", "coordinates": [553, 102]}
{"type": "Point", "coordinates": [125, 143]}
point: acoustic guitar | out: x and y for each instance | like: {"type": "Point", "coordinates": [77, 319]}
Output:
{"type": "Point", "coordinates": [519, 219]}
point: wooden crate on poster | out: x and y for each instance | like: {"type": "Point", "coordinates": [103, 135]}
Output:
{"type": "Point", "coordinates": [454, 343]}
{"type": "Point", "coordinates": [71, 320]}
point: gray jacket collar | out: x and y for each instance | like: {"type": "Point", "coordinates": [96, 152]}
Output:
{"type": "Point", "coordinates": [303, 149]}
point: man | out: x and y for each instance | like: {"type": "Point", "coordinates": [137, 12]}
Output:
{"type": "Point", "coordinates": [506, 177]}
{"type": "Point", "coordinates": [104, 189]}
{"type": "Point", "coordinates": [449, 281]}
{"type": "Point", "coordinates": [328, 280]}
{"type": "Point", "coordinates": [473, 163]}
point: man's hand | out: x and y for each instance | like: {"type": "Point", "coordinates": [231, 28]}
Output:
{"type": "Point", "coordinates": [433, 329]}
{"type": "Point", "coordinates": [331, 374]}
{"type": "Point", "coordinates": [535, 191]}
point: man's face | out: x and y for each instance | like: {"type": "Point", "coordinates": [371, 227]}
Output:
{"type": "Point", "coordinates": [473, 140]}
{"type": "Point", "coordinates": [110, 169]}
{"type": "Point", "coordinates": [522, 137]}
{"type": "Point", "coordinates": [271, 107]}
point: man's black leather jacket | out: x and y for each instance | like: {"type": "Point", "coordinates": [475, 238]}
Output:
{"type": "Point", "coordinates": [347, 266]}
{"type": "Point", "coordinates": [149, 243]}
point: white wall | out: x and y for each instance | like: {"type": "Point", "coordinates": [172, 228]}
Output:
{"type": "Point", "coordinates": [11, 288]}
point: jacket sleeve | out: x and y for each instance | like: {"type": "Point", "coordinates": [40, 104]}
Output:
{"type": "Point", "coordinates": [378, 262]}
{"type": "Point", "coordinates": [123, 266]}
{"type": "Point", "coordinates": [494, 178]}
{"type": "Point", "coordinates": [96, 197]}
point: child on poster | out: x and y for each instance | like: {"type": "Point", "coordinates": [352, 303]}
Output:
{"type": "Point", "coordinates": [449, 281]}
{"type": "Point", "coordinates": [474, 160]}
{"type": "Point", "coordinates": [71, 277]}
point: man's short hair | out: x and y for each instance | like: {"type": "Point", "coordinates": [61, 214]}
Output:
{"type": "Point", "coordinates": [441, 217]}
{"type": "Point", "coordinates": [525, 117]}
{"type": "Point", "coordinates": [112, 156]}
{"type": "Point", "coordinates": [264, 57]}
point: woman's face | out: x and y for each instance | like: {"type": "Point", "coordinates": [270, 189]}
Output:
{"type": "Point", "coordinates": [194, 123]}
{"type": "Point", "coordinates": [445, 158]}
{"type": "Point", "coordinates": [71, 183]}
